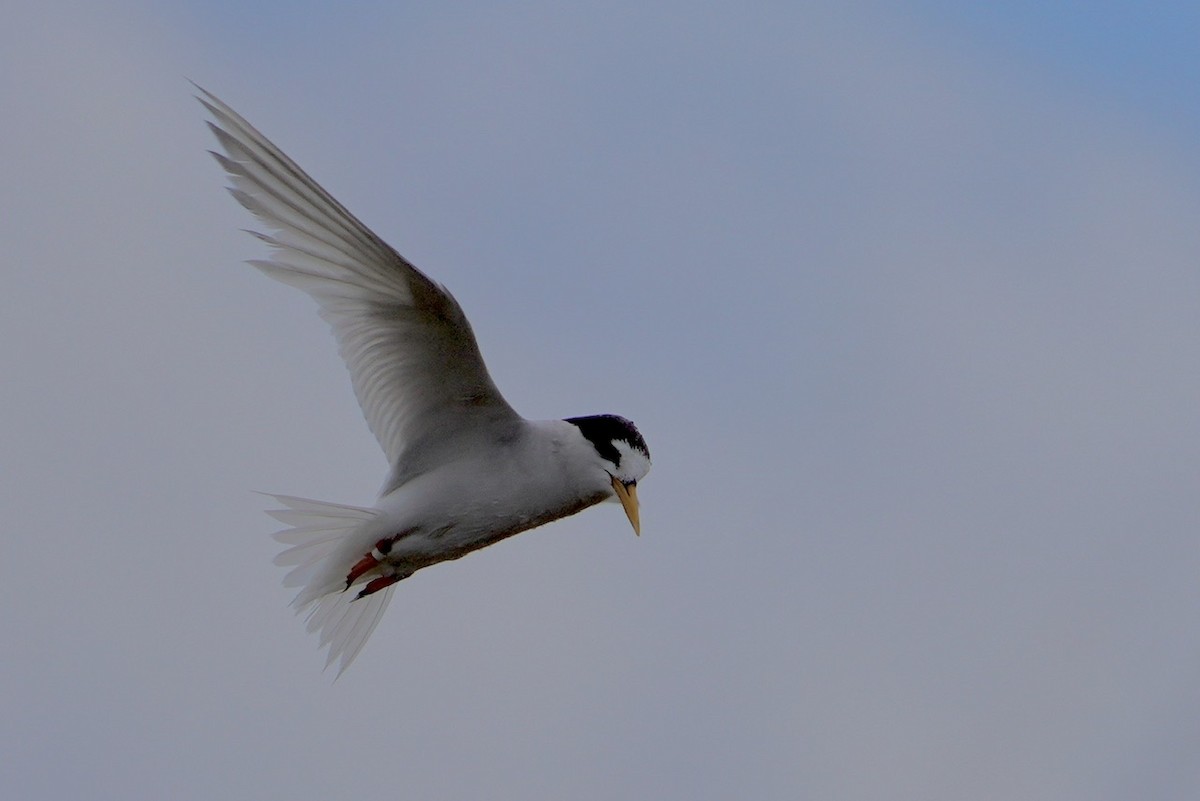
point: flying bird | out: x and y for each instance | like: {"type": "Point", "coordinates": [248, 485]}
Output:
{"type": "Point", "coordinates": [466, 470]}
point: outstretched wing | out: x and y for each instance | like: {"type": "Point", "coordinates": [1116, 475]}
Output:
{"type": "Point", "coordinates": [413, 359]}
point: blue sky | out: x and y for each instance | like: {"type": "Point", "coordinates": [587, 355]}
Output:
{"type": "Point", "coordinates": [1126, 49]}
{"type": "Point", "coordinates": [904, 299]}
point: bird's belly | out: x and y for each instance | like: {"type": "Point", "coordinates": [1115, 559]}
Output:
{"type": "Point", "coordinates": [461, 518]}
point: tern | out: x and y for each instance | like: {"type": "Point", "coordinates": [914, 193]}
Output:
{"type": "Point", "coordinates": [466, 470]}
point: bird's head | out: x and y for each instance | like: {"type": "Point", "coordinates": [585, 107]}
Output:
{"type": "Point", "coordinates": [623, 455]}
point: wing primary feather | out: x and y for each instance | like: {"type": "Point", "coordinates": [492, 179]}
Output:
{"type": "Point", "coordinates": [414, 363]}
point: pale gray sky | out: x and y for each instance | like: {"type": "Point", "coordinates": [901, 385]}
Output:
{"type": "Point", "coordinates": [906, 304]}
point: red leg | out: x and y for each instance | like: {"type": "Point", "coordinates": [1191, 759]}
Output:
{"type": "Point", "coordinates": [368, 562]}
{"type": "Point", "coordinates": [377, 584]}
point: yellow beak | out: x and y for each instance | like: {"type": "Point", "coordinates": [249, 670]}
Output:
{"type": "Point", "coordinates": [628, 496]}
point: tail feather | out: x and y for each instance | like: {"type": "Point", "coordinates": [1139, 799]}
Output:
{"type": "Point", "coordinates": [345, 624]}
{"type": "Point", "coordinates": [317, 538]}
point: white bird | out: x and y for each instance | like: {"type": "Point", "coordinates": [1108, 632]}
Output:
{"type": "Point", "coordinates": [466, 470]}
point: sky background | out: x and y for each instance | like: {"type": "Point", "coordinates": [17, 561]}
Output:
{"type": "Point", "coordinates": [904, 297]}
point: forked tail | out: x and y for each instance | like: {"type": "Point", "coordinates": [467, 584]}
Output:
{"type": "Point", "coordinates": [320, 536]}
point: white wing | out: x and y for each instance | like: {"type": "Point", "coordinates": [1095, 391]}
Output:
{"type": "Point", "coordinates": [413, 360]}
